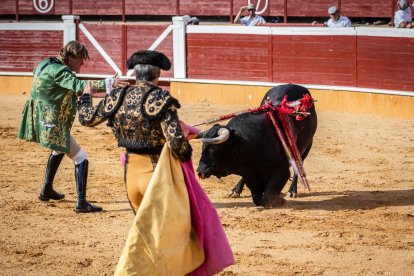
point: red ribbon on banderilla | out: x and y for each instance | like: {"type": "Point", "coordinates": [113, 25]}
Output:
{"type": "Point", "coordinates": [299, 109]}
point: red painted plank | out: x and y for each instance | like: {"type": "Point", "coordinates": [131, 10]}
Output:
{"type": "Point", "coordinates": [101, 7]}
{"type": "Point", "coordinates": [315, 8]}
{"type": "Point", "coordinates": [109, 37]}
{"type": "Point", "coordinates": [23, 50]}
{"type": "Point", "coordinates": [153, 7]}
{"type": "Point", "coordinates": [366, 8]}
{"type": "Point", "coordinates": [8, 7]}
{"type": "Point", "coordinates": [205, 8]}
{"type": "Point", "coordinates": [313, 59]}
{"type": "Point", "coordinates": [141, 37]}
{"type": "Point", "coordinates": [385, 62]}
{"type": "Point", "coordinates": [223, 56]}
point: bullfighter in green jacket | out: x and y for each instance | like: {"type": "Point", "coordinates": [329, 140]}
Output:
{"type": "Point", "coordinates": [49, 114]}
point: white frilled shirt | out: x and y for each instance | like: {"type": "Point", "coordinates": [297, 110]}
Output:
{"type": "Point", "coordinates": [343, 21]}
{"type": "Point", "coordinates": [247, 21]}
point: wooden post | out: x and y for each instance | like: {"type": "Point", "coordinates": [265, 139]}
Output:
{"type": "Point", "coordinates": [17, 11]}
{"type": "Point", "coordinates": [177, 8]}
{"type": "Point", "coordinates": [124, 46]}
{"type": "Point", "coordinates": [70, 28]}
{"type": "Point", "coordinates": [179, 47]}
{"type": "Point", "coordinates": [231, 11]}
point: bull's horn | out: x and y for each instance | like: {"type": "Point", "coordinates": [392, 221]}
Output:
{"type": "Point", "coordinates": [223, 135]}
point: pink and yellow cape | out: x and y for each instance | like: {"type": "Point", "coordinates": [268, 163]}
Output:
{"type": "Point", "coordinates": [176, 230]}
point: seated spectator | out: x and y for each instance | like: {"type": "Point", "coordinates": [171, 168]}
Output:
{"type": "Point", "coordinates": [193, 21]}
{"type": "Point", "coordinates": [403, 16]}
{"type": "Point", "coordinates": [252, 19]}
{"type": "Point", "coordinates": [337, 20]}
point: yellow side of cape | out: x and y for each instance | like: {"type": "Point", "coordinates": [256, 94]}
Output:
{"type": "Point", "coordinates": [161, 240]}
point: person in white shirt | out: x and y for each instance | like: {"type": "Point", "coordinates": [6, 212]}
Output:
{"type": "Point", "coordinates": [336, 20]}
{"type": "Point", "coordinates": [403, 16]}
{"type": "Point", "coordinates": [252, 19]}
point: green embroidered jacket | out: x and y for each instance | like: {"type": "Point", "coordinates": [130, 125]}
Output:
{"type": "Point", "coordinates": [48, 115]}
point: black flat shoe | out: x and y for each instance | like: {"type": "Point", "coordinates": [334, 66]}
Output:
{"type": "Point", "coordinates": [86, 207]}
{"type": "Point", "coordinates": [51, 195]}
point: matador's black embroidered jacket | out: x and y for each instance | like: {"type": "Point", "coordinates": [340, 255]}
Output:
{"type": "Point", "coordinates": [143, 117]}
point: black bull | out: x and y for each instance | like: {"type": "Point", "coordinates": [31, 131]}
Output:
{"type": "Point", "coordinates": [254, 151]}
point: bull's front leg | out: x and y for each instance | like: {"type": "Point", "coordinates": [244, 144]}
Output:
{"type": "Point", "coordinates": [237, 190]}
{"type": "Point", "coordinates": [272, 197]}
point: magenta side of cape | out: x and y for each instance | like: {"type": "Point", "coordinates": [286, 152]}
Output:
{"type": "Point", "coordinates": [206, 223]}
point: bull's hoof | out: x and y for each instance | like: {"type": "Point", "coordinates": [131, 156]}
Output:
{"type": "Point", "coordinates": [234, 194]}
{"type": "Point", "coordinates": [294, 195]}
{"type": "Point", "coordinates": [274, 202]}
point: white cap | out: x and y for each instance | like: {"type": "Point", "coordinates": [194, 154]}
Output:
{"type": "Point", "coordinates": [332, 10]}
{"type": "Point", "coordinates": [251, 7]}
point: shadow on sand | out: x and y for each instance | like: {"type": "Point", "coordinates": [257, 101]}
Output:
{"type": "Point", "coordinates": [347, 200]}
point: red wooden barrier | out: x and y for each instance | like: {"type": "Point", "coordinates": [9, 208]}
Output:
{"type": "Point", "coordinates": [339, 60]}
{"type": "Point", "coordinates": [82, 7]}
{"type": "Point", "coordinates": [227, 57]}
{"type": "Point", "coordinates": [23, 50]}
{"type": "Point", "coordinates": [315, 8]}
{"type": "Point", "coordinates": [366, 8]}
{"type": "Point", "coordinates": [285, 8]}
{"type": "Point", "coordinates": [109, 36]}
{"type": "Point", "coordinates": [316, 60]}
{"type": "Point", "coordinates": [8, 7]}
{"type": "Point", "coordinates": [141, 37]}
{"type": "Point", "coordinates": [386, 62]}
{"type": "Point", "coordinates": [151, 7]}
{"type": "Point", "coordinates": [369, 57]}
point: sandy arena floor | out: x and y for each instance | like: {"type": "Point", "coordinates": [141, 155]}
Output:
{"type": "Point", "coordinates": [358, 219]}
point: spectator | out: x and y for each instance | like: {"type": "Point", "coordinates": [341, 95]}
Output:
{"type": "Point", "coordinates": [252, 19]}
{"type": "Point", "coordinates": [193, 21]}
{"type": "Point", "coordinates": [403, 16]}
{"type": "Point", "coordinates": [337, 20]}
